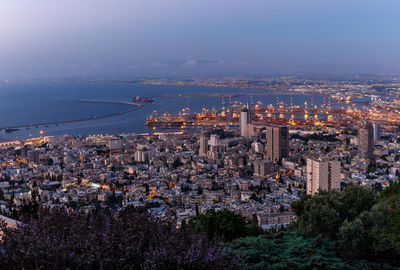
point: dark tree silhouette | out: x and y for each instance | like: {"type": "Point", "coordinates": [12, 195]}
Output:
{"type": "Point", "coordinates": [107, 239]}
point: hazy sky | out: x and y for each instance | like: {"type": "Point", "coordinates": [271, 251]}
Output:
{"type": "Point", "coordinates": [61, 38]}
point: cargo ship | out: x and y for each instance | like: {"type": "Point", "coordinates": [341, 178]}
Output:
{"type": "Point", "coordinates": [143, 99]}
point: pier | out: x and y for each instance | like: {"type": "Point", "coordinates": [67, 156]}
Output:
{"type": "Point", "coordinates": [136, 106]}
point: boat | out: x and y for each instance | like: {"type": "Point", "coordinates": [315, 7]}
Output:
{"type": "Point", "coordinates": [143, 99]}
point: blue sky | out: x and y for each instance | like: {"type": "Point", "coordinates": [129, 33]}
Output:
{"type": "Point", "coordinates": [47, 38]}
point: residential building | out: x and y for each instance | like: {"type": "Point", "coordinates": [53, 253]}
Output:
{"type": "Point", "coordinates": [322, 174]}
{"type": "Point", "coordinates": [366, 141]}
{"type": "Point", "coordinates": [203, 146]}
{"type": "Point", "coordinates": [245, 120]}
{"type": "Point", "coordinates": [277, 143]}
{"type": "Point", "coordinates": [376, 131]}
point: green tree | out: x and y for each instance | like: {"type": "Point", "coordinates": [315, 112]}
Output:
{"type": "Point", "coordinates": [392, 190]}
{"type": "Point", "coordinates": [290, 250]}
{"type": "Point", "coordinates": [324, 213]}
{"type": "Point", "coordinates": [375, 234]}
{"type": "Point", "coordinates": [355, 237]}
{"type": "Point", "coordinates": [224, 225]}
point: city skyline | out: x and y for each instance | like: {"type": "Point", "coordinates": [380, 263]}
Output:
{"type": "Point", "coordinates": [199, 134]}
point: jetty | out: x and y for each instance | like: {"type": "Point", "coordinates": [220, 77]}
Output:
{"type": "Point", "coordinates": [34, 125]}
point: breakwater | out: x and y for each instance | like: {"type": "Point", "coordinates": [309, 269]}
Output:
{"type": "Point", "coordinates": [36, 125]}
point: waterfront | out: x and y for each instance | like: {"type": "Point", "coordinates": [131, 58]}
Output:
{"type": "Point", "coordinates": [43, 102]}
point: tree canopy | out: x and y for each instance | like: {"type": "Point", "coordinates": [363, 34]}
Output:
{"type": "Point", "coordinates": [107, 239]}
{"type": "Point", "coordinates": [324, 213]}
{"type": "Point", "coordinates": [224, 225]}
{"type": "Point", "coordinates": [357, 228]}
{"type": "Point", "coordinates": [375, 233]}
{"type": "Point", "coordinates": [289, 250]}
{"type": "Point", "coordinates": [364, 224]}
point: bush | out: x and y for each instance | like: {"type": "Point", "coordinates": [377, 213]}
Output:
{"type": "Point", "coordinates": [106, 239]}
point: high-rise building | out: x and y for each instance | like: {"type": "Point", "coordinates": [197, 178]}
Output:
{"type": "Point", "coordinates": [33, 156]}
{"type": "Point", "coordinates": [366, 141]}
{"type": "Point", "coordinates": [216, 147]}
{"type": "Point", "coordinates": [203, 146]}
{"type": "Point", "coordinates": [24, 152]}
{"type": "Point", "coordinates": [263, 168]}
{"type": "Point", "coordinates": [277, 143]}
{"type": "Point", "coordinates": [245, 120]}
{"type": "Point", "coordinates": [377, 131]}
{"type": "Point", "coordinates": [322, 174]}
{"type": "Point", "coordinates": [114, 144]}
{"type": "Point", "coordinates": [214, 140]}
{"type": "Point", "coordinates": [143, 154]}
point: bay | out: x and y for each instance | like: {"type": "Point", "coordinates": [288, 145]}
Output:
{"type": "Point", "coordinates": [42, 102]}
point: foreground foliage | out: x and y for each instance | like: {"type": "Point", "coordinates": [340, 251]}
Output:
{"type": "Point", "coordinates": [363, 225]}
{"type": "Point", "coordinates": [104, 239]}
{"type": "Point", "coordinates": [224, 225]}
{"type": "Point", "coordinates": [324, 213]}
{"type": "Point", "coordinates": [289, 250]}
{"type": "Point", "coordinates": [375, 233]}
{"type": "Point", "coordinates": [354, 229]}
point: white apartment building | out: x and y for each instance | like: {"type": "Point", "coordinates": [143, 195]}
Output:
{"type": "Point", "coordinates": [322, 173]}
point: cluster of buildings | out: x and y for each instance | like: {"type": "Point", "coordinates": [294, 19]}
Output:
{"type": "Point", "coordinates": [377, 88]}
{"type": "Point", "coordinates": [255, 170]}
